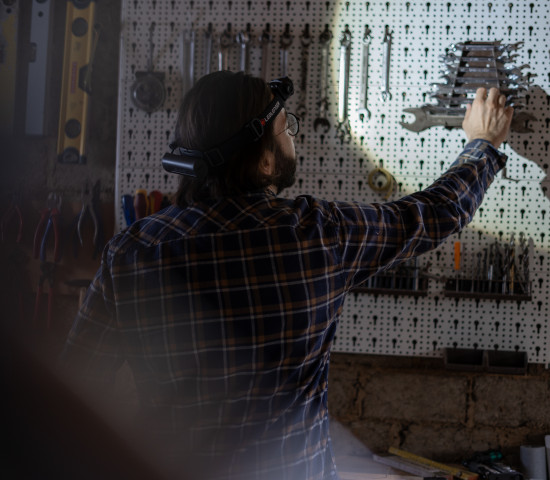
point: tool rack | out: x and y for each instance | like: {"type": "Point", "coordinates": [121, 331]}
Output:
{"type": "Point", "coordinates": [420, 322]}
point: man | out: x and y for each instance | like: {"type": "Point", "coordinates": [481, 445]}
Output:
{"type": "Point", "coordinates": [225, 305]}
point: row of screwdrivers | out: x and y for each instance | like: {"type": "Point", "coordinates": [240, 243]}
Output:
{"type": "Point", "coordinates": [142, 204]}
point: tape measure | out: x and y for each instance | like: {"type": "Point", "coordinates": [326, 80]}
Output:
{"type": "Point", "coordinates": [381, 181]}
{"type": "Point", "coordinates": [9, 14]}
{"type": "Point", "coordinates": [80, 39]}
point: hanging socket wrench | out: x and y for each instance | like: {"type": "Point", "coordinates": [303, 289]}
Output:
{"type": "Point", "coordinates": [386, 95]}
{"type": "Point", "coordinates": [364, 111]}
{"type": "Point", "coordinates": [305, 42]}
{"type": "Point", "coordinates": [265, 42]}
{"type": "Point", "coordinates": [224, 43]}
{"type": "Point", "coordinates": [284, 43]}
{"type": "Point", "coordinates": [243, 39]}
{"type": "Point", "coordinates": [188, 59]}
{"type": "Point", "coordinates": [344, 130]}
{"type": "Point", "coordinates": [321, 121]}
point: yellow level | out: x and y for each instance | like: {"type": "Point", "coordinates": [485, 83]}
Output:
{"type": "Point", "coordinates": [9, 12]}
{"type": "Point", "coordinates": [456, 472]}
{"type": "Point", "coordinates": [80, 36]}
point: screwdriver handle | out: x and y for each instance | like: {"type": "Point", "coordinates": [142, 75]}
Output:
{"type": "Point", "coordinates": [140, 203]}
{"type": "Point", "coordinates": [457, 256]}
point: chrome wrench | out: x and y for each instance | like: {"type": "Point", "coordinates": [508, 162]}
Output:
{"type": "Point", "coordinates": [364, 111]}
{"type": "Point", "coordinates": [243, 39]}
{"type": "Point", "coordinates": [225, 41]}
{"type": "Point", "coordinates": [208, 49]}
{"type": "Point", "coordinates": [321, 120]}
{"type": "Point", "coordinates": [265, 42]}
{"type": "Point", "coordinates": [305, 42]}
{"type": "Point", "coordinates": [284, 43]}
{"type": "Point", "coordinates": [344, 129]}
{"type": "Point", "coordinates": [386, 95]}
{"type": "Point", "coordinates": [188, 59]}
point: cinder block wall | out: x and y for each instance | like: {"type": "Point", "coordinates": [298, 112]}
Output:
{"type": "Point", "coordinates": [417, 405]}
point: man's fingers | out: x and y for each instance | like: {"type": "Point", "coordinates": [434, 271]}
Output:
{"type": "Point", "coordinates": [481, 93]}
{"type": "Point", "coordinates": [493, 96]}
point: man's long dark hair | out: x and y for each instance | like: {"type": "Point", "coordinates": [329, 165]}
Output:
{"type": "Point", "coordinates": [216, 108]}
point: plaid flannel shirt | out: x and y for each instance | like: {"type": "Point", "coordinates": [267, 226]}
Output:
{"type": "Point", "coordinates": [226, 312]}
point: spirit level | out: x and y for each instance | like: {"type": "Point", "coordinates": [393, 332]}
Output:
{"type": "Point", "coordinates": [80, 37]}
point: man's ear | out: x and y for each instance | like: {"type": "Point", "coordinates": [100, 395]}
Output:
{"type": "Point", "coordinates": [267, 163]}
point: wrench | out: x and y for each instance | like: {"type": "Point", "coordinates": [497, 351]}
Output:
{"type": "Point", "coordinates": [386, 95]}
{"type": "Point", "coordinates": [321, 120]}
{"type": "Point", "coordinates": [243, 39]}
{"type": "Point", "coordinates": [451, 58]}
{"type": "Point", "coordinates": [487, 46]}
{"type": "Point", "coordinates": [305, 42]}
{"type": "Point", "coordinates": [225, 41]}
{"type": "Point", "coordinates": [344, 129]}
{"type": "Point", "coordinates": [364, 112]}
{"type": "Point", "coordinates": [265, 42]}
{"type": "Point", "coordinates": [208, 49]}
{"type": "Point", "coordinates": [188, 59]}
{"type": "Point", "coordinates": [284, 43]}
{"type": "Point", "coordinates": [430, 116]}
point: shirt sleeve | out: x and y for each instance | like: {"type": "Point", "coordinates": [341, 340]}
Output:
{"type": "Point", "coordinates": [92, 352]}
{"type": "Point", "coordinates": [373, 237]}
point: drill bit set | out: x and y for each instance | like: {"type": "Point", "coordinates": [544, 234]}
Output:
{"type": "Point", "coordinates": [497, 272]}
{"type": "Point", "coordinates": [468, 66]}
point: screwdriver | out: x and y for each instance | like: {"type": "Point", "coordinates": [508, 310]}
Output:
{"type": "Point", "coordinates": [140, 203]}
{"type": "Point", "coordinates": [457, 261]}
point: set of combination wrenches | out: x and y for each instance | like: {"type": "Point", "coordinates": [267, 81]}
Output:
{"type": "Point", "coordinates": [220, 46]}
{"type": "Point", "coordinates": [466, 67]}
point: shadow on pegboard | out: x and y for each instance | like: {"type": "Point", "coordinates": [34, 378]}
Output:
{"type": "Point", "coordinates": [536, 146]}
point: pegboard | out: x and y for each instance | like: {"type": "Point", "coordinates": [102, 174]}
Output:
{"type": "Point", "coordinates": [335, 170]}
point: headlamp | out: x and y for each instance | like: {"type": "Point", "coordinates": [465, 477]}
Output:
{"type": "Point", "coordinates": [184, 161]}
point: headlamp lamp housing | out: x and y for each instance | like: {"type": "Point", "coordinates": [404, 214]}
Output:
{"type": "Point", "coordinates": [184, 162]}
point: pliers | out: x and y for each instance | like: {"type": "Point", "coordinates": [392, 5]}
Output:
{"type": "Point", "coordinates": [88, 205]}
{"type": "Point", "coordinates": [49, 220]}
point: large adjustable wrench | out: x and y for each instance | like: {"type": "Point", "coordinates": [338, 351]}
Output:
{"type": "Point", "coordinates": [321, 120]}
{"type": "Point", "coordinates": [305, 42]}
{"type": "Point", "coordinates": [284, 43]}
{"type": "Point", "coordinates": [344, 129]}
{"type": "Point", "coordinates": [225, 41]}
{"type": "Point", "coordinates": [188, 59]}
{"type": "Point", "coordinates": [208, 49]}
{"type": "Point", "coordinates": [386, 95]}
{"type": "Point", "coordinates": [428, 116]}
{"type": "Point", "coordinates": [243, 39]}
{"type": "Point", "coordinates": [364, 111]}
{"type": "Point", "coordinates": [265, 42]}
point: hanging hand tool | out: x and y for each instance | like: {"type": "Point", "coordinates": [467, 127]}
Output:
{"type": "Point", "coordinates": [37, 94]}
{"type": "Point", "coordinates": [225, 42]}
{"type": "Point", "coordinates": [208, 36]}
{"type": "Point", "coordinates": [386, 95]}
{"type": "Point", "coordinates": [9, 21]}
{"type": "Point", "coordinates": [148, 91]}
{"type": "Point", "coordinates": [244, 38]}
{"type": "Point", "coordinates": [364, 111]}
{"type": "Point", "coordinates": [49, 222]}
{"type": "Point", "coordinates": [265, 42]}
{"type": "Point", "coordinates": [284, 43]}
{"type": "Point", "coordinates": [127, 202]}
{"type": "Point", "coordinates": [321, 121]}
{"type": "Point", "coordinates": [87, 207]}
{"type": "Point", "coordinates": [154, 202]}
{"type": "Point", "coordinates": [344, 130]}
{"type": "Point", "coordinates": [188, 60]}
{"type": "Point", "coordinates": [305, 42]}
{"type": "Point", "coordinates": [457, 252]}
{"type": "Point", "coordinates": [140, 203]}
{"type": "Point", "coordinates": [80, 37]}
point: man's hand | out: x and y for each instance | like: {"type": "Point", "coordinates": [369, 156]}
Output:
{"type": "Point", "coordinates": [488, 117]}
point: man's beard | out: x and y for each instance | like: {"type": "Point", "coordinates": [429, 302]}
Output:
{"type": "Point", "coordinates": [285, 169]}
